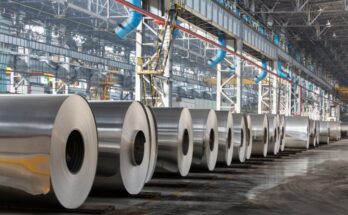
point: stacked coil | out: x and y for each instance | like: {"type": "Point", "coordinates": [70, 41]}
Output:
{"type": "Point", "coordinates": [259, 134]}
{"type": "Point", "coordinates": [48, 149]}
{"type": "Point", "coordinates": [297, 132]}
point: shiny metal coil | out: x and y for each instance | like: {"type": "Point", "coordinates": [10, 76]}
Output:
{"type": "Point", "coordinates": [124, 138]}
{"type": "Point", "coordinates": [312, 133]}
{"type": "Point", "coordinates": [335, 131]}
{"type": "Point", "coordinates": [324, 132]}
{"type": "Point", "coordinates": [153, 141]}
{"type": "Point", "coordinates": [225, 132]}
{"type": "Point", "coordinates": [240, 137]}
{"type": "Point", "coordinates": [205, 137]}
{"type": "Point", "coordinates": [175, 139]}
{"type": "Point", "coordinates": [259, 134]}
{"type": "Point", "coordinates": [48, 149]}
{"type": "Point", "coordinates": [282, 127]}
{"type": "Point", "coordinates": [274, 135]}
{"type": "Point", "coordinates": [297, 132]}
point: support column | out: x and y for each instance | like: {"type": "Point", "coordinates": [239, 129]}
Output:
{"type": "Point", "coordinates": [138, 54]}
{"type": "Point", "coordinates": [275, 91]}
{"type": "Point", "coordinates": [218, 87]}
{"type": "Point", "coordinates": [168, 84]}
{"type": "Point", "coordinates": [259, 100]}
{"type": "Point", "coordinates": [239, 76]}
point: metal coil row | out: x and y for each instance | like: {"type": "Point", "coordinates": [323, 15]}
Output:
{"type": "Point", "coordinates": [57, 149]}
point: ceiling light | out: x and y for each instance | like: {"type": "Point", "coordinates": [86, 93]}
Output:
{"type": "Point", "coordinates": [328, 24]}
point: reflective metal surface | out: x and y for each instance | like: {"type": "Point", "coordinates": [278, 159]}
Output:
{"type": "Point", "coordinates": [312, 133]}
{"type": "Point", "coordinates": [274, 137]}
{"type": "Point", "coordinates": [240, 138]}
{"type": "Point", "coordinates": [205, 137]}
{"type": "Point", "coordinates": [335, 131]}
{"type": "Point", "coordinates": [225, 129]}
{"type": "Point", "coordinates": [48, 148]}
{"type": "Point", "coordinates": [344, 129]}
{"type": "Point", "coordinates": [282, 127]}
{"type": "Point", "coordinates": [249, 146]}
{"type": "Point", "coordinates": [317, 125]}
{"type": "Point", "coordinates": [124, 146]}
{"type": "Point", "coordinates": [259, 134]}
{"type": "Point", "coordinates": [153, 145]}
{"type": "Point", "coordinates": [297, 132]}
{"type": "Point", "coordinates": [175, 139]}
{"type": "Point", "coordinates": [324, 132]}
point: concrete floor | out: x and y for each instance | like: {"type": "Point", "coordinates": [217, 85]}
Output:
{"type": "Point", "coordinates": [296, 182]}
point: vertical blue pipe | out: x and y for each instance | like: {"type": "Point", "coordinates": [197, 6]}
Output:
{"type": "Point", "coordinates": [220, 55]}
{"type": "Point", "coordinates": [263, 73]}
{"type": "Point", "coordinates": [130, 24]}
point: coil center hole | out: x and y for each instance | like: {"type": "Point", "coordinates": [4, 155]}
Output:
{"type": "Point", "coordinates": [185, 142]}
{"type": "Point", "coordinates": [264, 136]}
{"type": "Point", "coordinates": [211, 139]}
{"type": "Point", "coordinates": [229, 138]}
{"type": "Point", "coordinates": [139, 147]}
{"type": "Point", "coordinates": [74, 152]}
{"type": "Point", "coordinates": [241, 137]}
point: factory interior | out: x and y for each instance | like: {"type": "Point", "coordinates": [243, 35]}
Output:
{"type": "Point", "coordinates": [173, 107]}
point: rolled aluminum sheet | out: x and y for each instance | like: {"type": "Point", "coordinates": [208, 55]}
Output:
{"type": "Point", "coordinates": [205, 138]}
{"type": "Point", "coordinates": [153, 145]}
{"type": "Point", "coordinates": [259, 134]}
{"type": "Point", "coordinates": [297, 132]}
{"type": "Point", "coordinates": [282, 127]}
{"type": "Point", "coordinates": [324, 132]}
{"type": "Point", "coordinates": [225, 129]}
{"type": "Point", "coordinates": [317, 125]}
{"type": "Point", "coordinates": [124, 138]}
{"type": "Point", "coordinates": [344, 129]}
{"type": "Point", "coordinates": [312, 133]}
{"type": "Point", "coordinates": [240, 138]}
{"type": "Point", "coordinates": [335, 131]}
{"type": "Point", "coordinates": [48, 149]}
{"type": "Point", "coordinates": [274, 137]}
{"type": "Point", "coordinates": [175, 139]}
{"type": "Point", "coordinates": [249, 145]}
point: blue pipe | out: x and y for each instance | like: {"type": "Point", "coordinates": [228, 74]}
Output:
{"type": "Point", "coordinates": [130, 24]}
{"type": "Point", "coordinates": [176, 31]}
{"type": "Point", "coordinates": [263, 73]}
{"type": "Point", "coordinates": [276, 39]}
{"type": "Point", "coordinates": [220, 54]}
{"type": "Point", "coordinates": [280, 72]}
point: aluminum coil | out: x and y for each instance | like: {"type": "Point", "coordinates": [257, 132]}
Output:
{"type": "Point", "coordinates": [297, 132]}
{"type": "Point", "coordinates": [225, 132]}
{"type": "Point", "coordinates": [335, 131]}
{"type": "Point", "coordinates": [282, 127]}
{"type": "Point", "coordinates": [175, 139]}
{"type": "Point", "coordinates": [124, 146]}
{"type": "Point", "coordinates": [317, 125]}
{"type": "Point", "coordinates": [344, 129]}
{"type": "Point", "coordinates": [249, 146]}
{"type": "Point", "coordinates": [240, 138]}
{"type": "Point", "coordinates": [153, 145]}
{"type": "Point", "coordinates": [205, 138]}
{"type": "Point", "coordinates": [312, 133]}
{"type": "Point", "coordinates": [259, 134]}
{"type": "Point", "coordinates": [324, 132]}
{"type": "Point", "coordinates": [48, 149]}
{"type": "Point", "coordinates": [274, 137]}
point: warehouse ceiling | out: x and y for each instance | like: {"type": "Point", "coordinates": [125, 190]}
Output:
{"type": "Point", "coordinates": [320, 26]}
